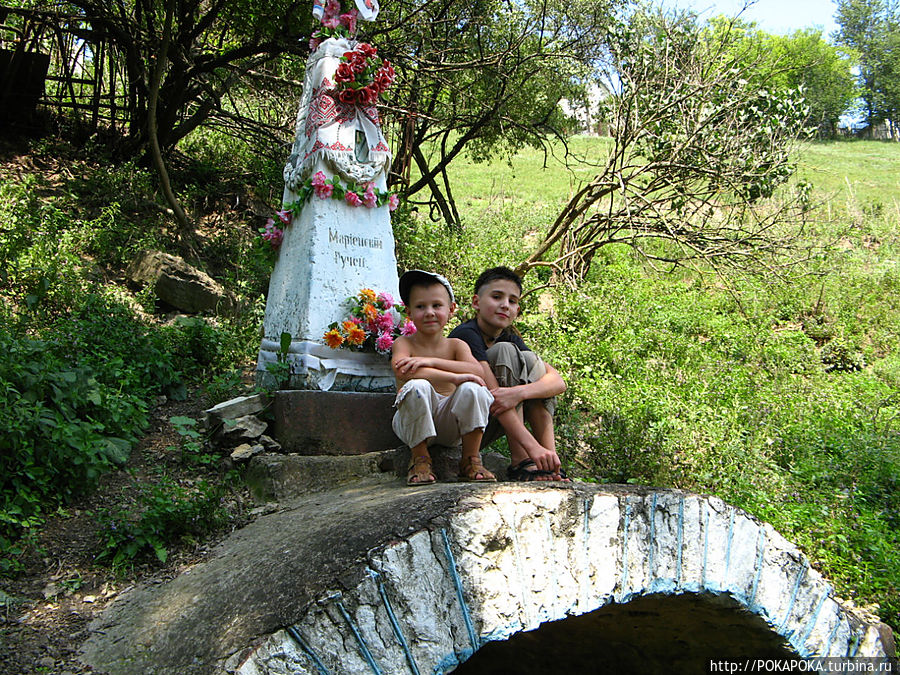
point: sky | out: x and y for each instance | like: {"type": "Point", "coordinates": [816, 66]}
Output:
{"type": "Point", "coordinates": [779, 17]}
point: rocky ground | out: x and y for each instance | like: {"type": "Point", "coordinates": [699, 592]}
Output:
{"type": "Point", "coordinates": [46, 609]}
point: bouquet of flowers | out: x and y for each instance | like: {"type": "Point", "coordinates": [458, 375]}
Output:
{"type": "Point", "coordinates": [335, 23]}
{"type": "Point", "coordinates": [374, 323]}
{"type": "Point", "coordinates": [362, 76]}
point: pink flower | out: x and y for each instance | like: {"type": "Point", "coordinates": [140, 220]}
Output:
{"type": "Point", "coordinates": [352, 198]}
{"type": "Point", "coordinates": [324, 192]}
{"type": "Point", "coordinates": [386, 299]}
{"type": "Point", "coordinates": [319, 179]}
{"type": "Point", "coordinates": [331, 22]}
{"type": "Point", "coordinates": [393, 202]}
{"type": "Point", "coordinates": [284, 216]}
{"type": "Point", "coordinates": [332, 8]}
{"type": "Point", "coordinates": [272, 234]}
{"type": "Point", "coordinates": [369, 198]}
{"type": "Point", "coordinates": [314, 44]}
{"type": "Point", "coordinates": [408, 328]}
{"type": "Point", "coordinates": [384, 342]}
{"type": "Point", "coordinates": [349, 20]}
{"type": "Point", "coordinates": [385, 322]}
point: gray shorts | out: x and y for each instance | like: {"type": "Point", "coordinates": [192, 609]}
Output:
{"type": "Point", "coordinates": [513, 367]}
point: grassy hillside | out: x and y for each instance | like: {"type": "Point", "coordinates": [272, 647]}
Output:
{"type": "Point", "coordinates": [780, 398]}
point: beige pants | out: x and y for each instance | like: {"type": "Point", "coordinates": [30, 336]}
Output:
{"type": "Point", "coordinates": [513, 367]}
{"type": "Point", "coordinates": [424, 415]}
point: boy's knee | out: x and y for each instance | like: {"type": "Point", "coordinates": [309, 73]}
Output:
{"type": "Point", "coordinates": [470, 391]}
{"type": "Point", "coordinates": [502, 351]}
{"type": "Point", "coordinates": [415, 393]}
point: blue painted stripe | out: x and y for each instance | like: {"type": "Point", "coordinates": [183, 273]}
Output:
{"type": "Point", "coordinates": [679, 553]}
{"type": "Point", "coordinates": [376, 577]}
{"type": "Point", "coordinates": [459, 592]}
{"type": "Point", "coordinates": [295, 634]}
{"type": "Point", "coordinates": [623, 580]}
{"type": "Point", "coordinates": [363, 647]}
{"type": "Point", "coordinates": [705, 544]}
{"type": "Point", "coordinates": [855, 642]}
{"type": "Point", "coordinates": [787, 615]}
{"type": "Point", "coordinates": [585, 582]}
{"type": "Point", "coordinates": [651, 558]}
{"type": "Point", "coordinates": [811, 624]}
{"type": "Point", "coordinates": [728, 551]}
{"type": "Point", "coordinates": [760, 552]}
{"type": "Point", "coordinates": [832, 636]}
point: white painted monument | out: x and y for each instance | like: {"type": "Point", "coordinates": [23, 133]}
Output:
{"type": "Point", "coordinates": [339, 239]}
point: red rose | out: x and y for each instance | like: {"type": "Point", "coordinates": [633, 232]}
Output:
{"type": "Point", "coordinates": [368, 95]}
{"type": "Point", "coordinates": [366, 49]}
{"type": "Point", "coordinates": [348, 96]}
{"type": "Point", "coordinates": [344, 73]}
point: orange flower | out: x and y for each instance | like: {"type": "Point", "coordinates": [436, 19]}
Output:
{"type": "Point", "coordinates": [356, 336]}
{"type": "Point", "coordinates": [334, 339]}
{"type": "Point", "coordinates": [370, 311]}
{"type": "Point", "coordinates": [367, 295]}
{"type": "Point", "coordinates": [348, 325]}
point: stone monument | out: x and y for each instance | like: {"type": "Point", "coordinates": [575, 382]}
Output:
{"type": "Point", "coordinates": [338, 238]}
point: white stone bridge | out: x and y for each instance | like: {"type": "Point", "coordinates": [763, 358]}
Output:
{"type": "Point", "coordinates": [503, 578]}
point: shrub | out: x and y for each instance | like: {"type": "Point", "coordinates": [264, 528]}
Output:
{"type": "Point", "coordinates": [165, 513]}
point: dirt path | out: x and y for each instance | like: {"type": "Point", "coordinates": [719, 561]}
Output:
{"type": "Point", "coordinates": [47, 608]}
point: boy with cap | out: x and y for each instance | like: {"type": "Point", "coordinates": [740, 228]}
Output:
{"type": "Point", "coordinates": [441, 397]}
{"type": "Point", "coordinates": [524, 386]}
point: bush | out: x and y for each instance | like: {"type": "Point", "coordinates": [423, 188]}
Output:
{"type": "Point", "coordinates": [165, 513]}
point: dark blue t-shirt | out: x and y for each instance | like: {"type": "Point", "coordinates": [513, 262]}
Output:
{"type": "Point", "coordinates": [469, 333]}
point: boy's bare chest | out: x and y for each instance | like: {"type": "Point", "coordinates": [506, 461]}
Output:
{"type": "Point", "coordinates": [441, 350]}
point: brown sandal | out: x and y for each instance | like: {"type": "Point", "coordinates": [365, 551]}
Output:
{"type": "Point", "coordinates": [419, 471]}
{"type": "Point", "coordinates": [471, 467]}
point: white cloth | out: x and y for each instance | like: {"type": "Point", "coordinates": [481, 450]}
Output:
{"type": "Point", "coordinates": [326, 128]}
{"type": "Point", "coordinates": [424, 415]}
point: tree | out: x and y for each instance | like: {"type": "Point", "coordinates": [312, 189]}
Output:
{"type": "Point", "coordinates": [482, 78]}
{"type": "Point", "coordinates": [699, 148]}
{"type": "Point", "coordinates": [872, 29]}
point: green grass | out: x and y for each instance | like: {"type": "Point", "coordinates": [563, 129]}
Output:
{"type": "Point", "coordinates": [786, 405]}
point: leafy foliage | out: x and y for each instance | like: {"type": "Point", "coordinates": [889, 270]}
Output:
{"type": "Point", "coordinates": [165, 513]}
{"type": "Point", "coordinates": [699, 149]}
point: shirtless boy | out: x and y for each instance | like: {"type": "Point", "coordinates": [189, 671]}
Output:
{"type": "Point", "coordinates": [442, 398]}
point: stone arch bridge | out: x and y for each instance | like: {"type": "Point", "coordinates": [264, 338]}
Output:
{"type": "Point", "coordinates": [502, 578]}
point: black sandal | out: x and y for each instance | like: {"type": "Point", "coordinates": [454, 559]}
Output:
{"type": "Point", "coordinates": [521, 474]}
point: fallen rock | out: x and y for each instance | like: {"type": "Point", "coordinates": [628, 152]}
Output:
{"type": "Point", "coordinates": [244, 452]}
{"type": "Point", "coordinates": [179, 284]}
{"type": "Point", "coordinates": [241, 430]}
{"type": "Point", "coordinates": [233, 409]}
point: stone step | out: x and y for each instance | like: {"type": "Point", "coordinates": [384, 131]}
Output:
{"type": "Point", "coordinates": [275, 477]}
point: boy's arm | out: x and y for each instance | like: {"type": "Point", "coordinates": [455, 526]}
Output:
{"type": "Point", "coordinates": [551, 384]}
{"type": "Point", "coordinates": [462, 362]}
{"type": "Point", "coordinates": [407, 367]}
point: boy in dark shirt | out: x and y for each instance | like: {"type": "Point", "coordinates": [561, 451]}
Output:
{"type": "Point", "coordinates": [523, 385]}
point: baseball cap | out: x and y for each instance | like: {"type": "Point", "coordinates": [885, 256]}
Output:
{"type": "Point", "coordinates": [412, 277]}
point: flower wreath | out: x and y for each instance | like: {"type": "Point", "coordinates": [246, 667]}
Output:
{"type": "Point", "coordinates": [352, 193]}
